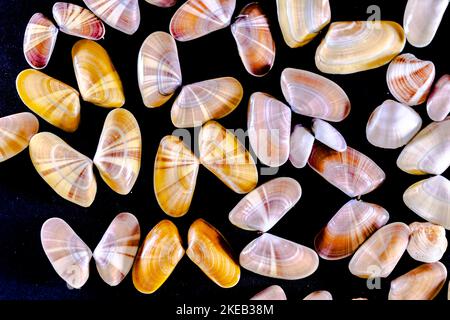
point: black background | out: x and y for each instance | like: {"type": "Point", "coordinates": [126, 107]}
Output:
{"type": "Point", "coordinates": [26, 201]}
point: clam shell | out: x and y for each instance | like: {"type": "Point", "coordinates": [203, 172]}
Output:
{"type": "Point", "coordinates": [209, 250]}
{"type": "Point", "coordinates": [276, 257]}
{"type": "Point", "coordinates": [269, 129]}
{"type": "Point", "coordinates": [78, 21]}
{"type": "Point", "coordinates": [262, 208]}
{"type": "Point", "coordinates": [162, 3]}
{"type": "Point", "coordinates": [356, 46]}
{"type": "Point", "coordinates": [349, 228]}
{"type": "Point", "coordinates": [409, 79]}
{"type": "Point", "coordinates": [67, 253]}
{"type": "Point", "coordinates": [196, 18]}
{"type": "Point", "coordinates": [319, 295]}
{"type": "Point", "coordinates": [159, 73]}
{"type": "Point", "coordinates": [422, 20]}
{"type": "Point", "coordinates": [328, 135]}
{"type": "Point", "coordinates": [123, 15]}
{"type": "Point", "coordinates": [54, 101]}
{"type": "Point", "coordinates": [421, 283]}
{"type": "Point", "coordinates": [430, 199]}
{"type": "Point", "coordinates": [270, 293]}
{"type": "Point", "coordinates": [39, 41]}
{"type": "Point", "coordinates": [157, 257]}
{"type": "Point", "coordinates": [350, 171]}
{"type": "Point", "coordinates": [118, 156]}
{"type": "Point", "coordinates": [302, 142]}
{"type": "Point", "coordinates": [429, 151]}
{"type": "Point", "coordinates": [98, 80]}
{"type": "Point", "coordinates": [392, 125]}
{"type": "Point", "coordinates": [427, 242]}
{"type": "Point", "coordinates": [68, 172]}
{"type": "Point", "coordinates": [175, 176]}
{"type": "Point", "coordinates": [223, 155]}
{"type": "Point", "coordinates": [312, 95]}
{"type": "Point", "coordinates": [379, 255]}
{"type": "Point", "coordinates": [438, 104]}
{"type": "Point", "coordinates": [16, 131]}
{"type": "Point", "coordinates": [301, 20]}
{"type": "Point", "coordinates": [114, 255]}
{"type": "Point", "coordinates": [254, 41]}
{"type": "Point", "coordinates": [202, 101]}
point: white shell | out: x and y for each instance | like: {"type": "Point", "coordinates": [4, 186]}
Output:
{"type": "Point", "coordinates": [427, 242]}
{"type": "Point", "coordinates": [328, 135]}
{"type": "Point", "coordinates": [301, 146]}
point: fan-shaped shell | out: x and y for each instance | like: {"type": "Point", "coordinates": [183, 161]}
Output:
{"type": "Point", "coordinates": [427, 242]}
{"type": "Point", "coordinates": [202, 101]}
{"type": "Point", "coordinates": [302, 142]}
{"type": "Point", "coordinates": [275, 257]}
{"type": "Point", "coordinates": [270, 293]}
{"type": "Point", "coordinates": [349, 228]}
{"type": "Point", "coordinates": [356, 46]}
{"type": "Point", "coordinates": [118, 156]}
{"type": "Point", "coordinates": [67, 253]}
{"type": "Point", "coordinates": [319, 295]}
{"type": "Point", "coordinates": [312, 95]}
{"type": "Point", "coordinates": [174, 176]}
{"type": "Point", "coordinates": [328, 135]}
{"type": "Point", "coordinates": [16, 131]}
{"type": "Point", "coordinates": [68, 172]}
{"type": "Point", "coordinates": [209, 250]}
{"type": "Point", "coordinates": [262, 208]}
{"type": "Point", "coordinates": [438, 104]}
{"type": "Point", "coordinates": [54, 101]}
{"type": "Point", "coordinates": [98, 80]}
{"type": "Point", "coordinates": [159, 73]}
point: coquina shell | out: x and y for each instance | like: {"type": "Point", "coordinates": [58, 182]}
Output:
{"type": "Point", "coordinates": [302, 142]}
{"type": "Point", "coordinates": [438, 104]}
{"type": "Point", "coordinates": [319, 295]}
{"type": "Point", "coordinates": [427, 242]}
{"type": "Point", "coordinates": [270, 293]}
{"type": "Point", "coordinates": [162, 3]}
{"type": "Point", "coordinates": [328, 135]}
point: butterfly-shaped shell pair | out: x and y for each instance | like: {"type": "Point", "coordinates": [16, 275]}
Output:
{"type": "Point", "coordinates": [70, 256]}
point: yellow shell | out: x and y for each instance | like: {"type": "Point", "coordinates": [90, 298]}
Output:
{"type": "Point", "coordinates": [54, 101]}
{"type": "Point", "coordinates": [67, 171]}
{"type": "Point", "coordinates": [175, 176]}
{"type": "Point", "coordinates": [98, 80]}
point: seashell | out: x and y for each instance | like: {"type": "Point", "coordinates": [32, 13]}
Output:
{"type": "Point", "coordinates": [16, 131]}
{"type": "Point", "coordinates": [223, 155]}
{"type": "Point", "coordinates": [275, 257]}
{"type": "Point", "coordinates": [209, 250]}
{"type": "Point", "coordinates": [301, 146]}
{"type": "Point", "coordinates": [196, 18]}
{"type": "Point", "coordinates": [328, 135]}
{"type": "Point", "coordinates": [269, 128]}
{"type": "Point", "coordinates": [159, 73]}
{"type": "Point", "coordinates": [379, 255]}
{"type": "Point", "coordinates": [409, 79]}
{"type": "Point", "coordinates": [319, 295]}
{"type": "Point", "coordinates": [262, 208]}
{"type": "Point", "coordinates": [422, 19]}
{"type": "Point", "coordinates": [157, 257]}
{"type": "Point", "coordinates": [67, 253]}
{"type": "Point", "coordinates": [162, 3]}
{"type": "Point", "coordinates": [54, 101]}
{"type": "Point", "coordinates": [123, 15]}
{"type": "Point", "coordinates": [427, 242]}
{"type": "Point", "coordinates": [114, 255]}
{"type": "Point", "coordinates": [438, 104]}
{"type": "Point", "coordinates": [202, 101]}
{"type": "Point", "coordinates": [312, 95]}
{"type": "Point", "coordinates": [350, 171]}
{"type": "Point", "coordinates": [356, 46]}
{"type": "Point", "coordinates": [270, 293]}
{"type": "Point", "coordinates": [98, 80]}
{"type": "Point", "coordinates": [430, 199]}
{"type": "Point", "coordinates": [78, 21]}
{"type": "Point", "coordinates": [254, 41]}
{"type": "Point", "coordinates": [349, 228]}
{"type": "Point", "coordinates": [68, 172]}
{"type": "Point", "coordinates": [301, 20]}
{"type": "Point", "coordinates": [39, 41]}
{"type": "Point", "coordinates": [175, 176]}
{"type": "Point", "coordinates": [392, 125]}
{"type": "Point", "coordinates": [429, 151]}
{"type": "Point", "coordinates": [422, 283]}
{"type": "Point", "coordinates": [118, 156]}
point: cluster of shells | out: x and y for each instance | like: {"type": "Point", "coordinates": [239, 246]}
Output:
{"type": "Point", "coordinates": [359, 229]}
